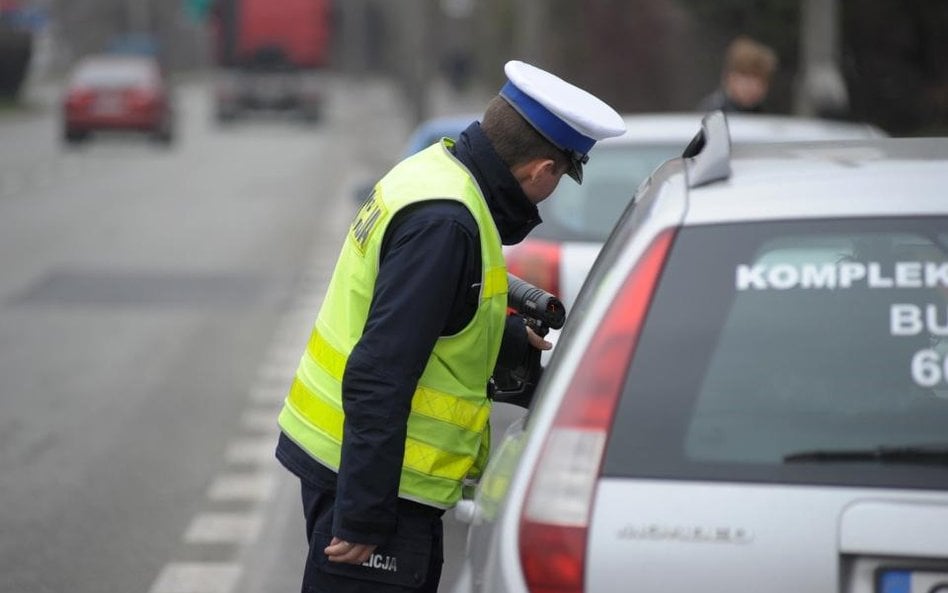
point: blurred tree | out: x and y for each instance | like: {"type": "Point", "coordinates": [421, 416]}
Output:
{"type": "Point", "coordinates": [819, 88]}
{"type": "Point", "coordinates": [773, 22]}
{"type": "Point", "coordinates": [894, 58]}
{"type": "Point", "coordinates": [495, 26]}
{"type": "Point", "coordinates": [197, 10]}
{"type": "Point", "coordinates": [637, 54]}
{"type": "Point", "coordinates": [893, 53]}
{"type": "Point", "coordinates": [664, 55]}
{"type": "Point", "coordinates": [16, 48]}
{"type": "Point", "coordinates": [82, 27]}
{"type": "Point", "coordinates": [634, 53]}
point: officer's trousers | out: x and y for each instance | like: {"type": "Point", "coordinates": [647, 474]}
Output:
{"type": "Point", "coordinates": [410, 561]}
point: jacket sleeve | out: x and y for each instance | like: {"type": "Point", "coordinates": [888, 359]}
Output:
{"type": "Point", "coordinates": [423, 276]}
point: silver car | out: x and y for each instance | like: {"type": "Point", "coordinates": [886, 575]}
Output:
{"type": "Point", "coordinates": [751, 392]}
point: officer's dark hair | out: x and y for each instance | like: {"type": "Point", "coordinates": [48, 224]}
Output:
{"type": "Point", "coordinates": [514, 139]}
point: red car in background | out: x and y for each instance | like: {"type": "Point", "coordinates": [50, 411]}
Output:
{"type": "Point", "coordinates": [109, 92]}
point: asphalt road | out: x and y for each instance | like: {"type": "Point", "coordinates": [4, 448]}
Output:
{"type": "Point", "coordinates": [153, 305]}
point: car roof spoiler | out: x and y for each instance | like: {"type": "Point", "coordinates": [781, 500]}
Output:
{"type": "Point", "coordinates": [708, 155]}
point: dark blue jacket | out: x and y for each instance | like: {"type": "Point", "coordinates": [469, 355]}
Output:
{"type": "Point", "coordinates": [430, 262]}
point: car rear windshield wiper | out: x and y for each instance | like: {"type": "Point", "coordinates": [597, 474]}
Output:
{"type": "Point", "coordinates": [924, 455]}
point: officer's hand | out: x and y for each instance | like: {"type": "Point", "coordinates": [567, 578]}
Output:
{"type": "Point", "coordinates": [536, 341]}
{"type": "Point", "coordinates": [348, 553]}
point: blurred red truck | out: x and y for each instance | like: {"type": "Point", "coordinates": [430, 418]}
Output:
{"type": "Point", "coordinates": [270, 55]}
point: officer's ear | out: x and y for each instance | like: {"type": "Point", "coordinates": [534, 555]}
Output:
{"type": "Point", "coordinates": [533, 171]}
{"type": "Point", "coordinates": [538, 178]}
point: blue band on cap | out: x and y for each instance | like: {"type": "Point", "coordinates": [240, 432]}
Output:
{"type": "Point", "coordinates": [555, 129]}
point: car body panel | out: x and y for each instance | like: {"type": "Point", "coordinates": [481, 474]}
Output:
{"type": "Point", "coordinates": [575, 256]}
{"type": "Point", "coordinates": [853, 173]}
{"type": "Point", "coordinates": [728, 534]}
{"type": "Point", "coordinates": [648, 530]}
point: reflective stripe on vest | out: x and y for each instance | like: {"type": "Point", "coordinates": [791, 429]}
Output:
{"type": "Point", "coordinates": [448, 427]}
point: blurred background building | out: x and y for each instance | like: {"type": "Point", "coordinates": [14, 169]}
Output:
{"type": "Point", "coordinates": [880, 61]}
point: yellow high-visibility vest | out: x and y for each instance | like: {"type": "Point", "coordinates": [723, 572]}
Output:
{"type": "Point", "coordinates": [448, 428]}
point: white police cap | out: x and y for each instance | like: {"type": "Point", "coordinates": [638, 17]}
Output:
{"type": "Point", "coordinates": [566, 115]}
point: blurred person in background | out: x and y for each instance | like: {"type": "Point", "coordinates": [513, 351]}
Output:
{"type": "Point", "coordinates": [388, 413]}
{"type": "Point", "coordinates": [749, 67]}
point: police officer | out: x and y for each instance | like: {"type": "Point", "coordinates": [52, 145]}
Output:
{"type": "Point", "coordinates": [388, 412]}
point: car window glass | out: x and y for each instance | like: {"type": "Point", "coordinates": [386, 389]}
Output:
{"type": "Point", "coordinates": [588, 212]}
{"type": "Point", "coordinates": [115, 73]}
{"type": "Point", "coordinates": [771, 339]}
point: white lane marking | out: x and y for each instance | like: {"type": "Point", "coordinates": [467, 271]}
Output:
{"type": "Point", "coordinates": [197, 577]}
{"type": "Point", "coordinates": [258, 451]}
{"type": "Point", "coordinates": [255, 487]}
{"type": "Point", "coordinates": [224, 528]}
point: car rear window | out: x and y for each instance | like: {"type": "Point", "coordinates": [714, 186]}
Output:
{"type": "Point", "coordinates": [115, 73]}
{"type": "Point", "coordinates": [588, 212]}
{"type": "Point", "coordinates": [806, 338]}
